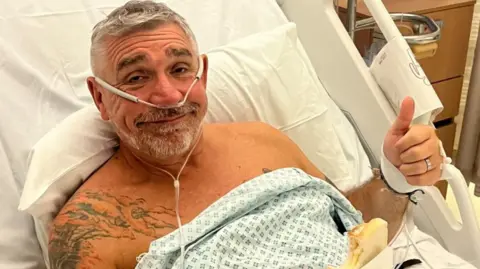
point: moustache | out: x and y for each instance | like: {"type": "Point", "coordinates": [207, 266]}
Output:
{"type": "Point", "coordinates": [158, 114]}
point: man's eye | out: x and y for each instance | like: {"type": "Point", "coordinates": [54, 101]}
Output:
{"type": "Point", "coordinates": [135, 79]}
{"type": "Point", "coordinates": [180, 70]}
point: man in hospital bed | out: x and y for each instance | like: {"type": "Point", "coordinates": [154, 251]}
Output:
{"type": "Point", "coordinates": [147, 50]}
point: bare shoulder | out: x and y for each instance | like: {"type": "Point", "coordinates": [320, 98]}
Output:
{"type": "Point", "coordinates": [76, 234]}
{"type": "Point", "coordinates": [91, 228]}
{"type": "Point", "coordinates": [269, 136]}
{"type": "Point", "coordinates": [260, 134]}
{"type": "Point", "coordinates": [262, 131]}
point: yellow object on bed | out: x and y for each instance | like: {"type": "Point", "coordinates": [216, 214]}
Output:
{"type": "Point", "coordinates": [367, 241]}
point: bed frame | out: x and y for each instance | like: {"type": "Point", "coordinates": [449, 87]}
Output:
{"type": "Point", "coordinates": [328, 43]}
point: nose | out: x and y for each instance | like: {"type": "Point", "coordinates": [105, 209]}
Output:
{"type": "Point", "coordinates": [165, 92]}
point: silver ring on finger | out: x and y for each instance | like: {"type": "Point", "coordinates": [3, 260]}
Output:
{"type": "Point", "coordinates": [429, 164]}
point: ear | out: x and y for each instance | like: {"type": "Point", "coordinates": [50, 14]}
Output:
{"type": "Point", "coordinates": [204, 58]}
{"type": "Point", "coordinates": [97, 96]}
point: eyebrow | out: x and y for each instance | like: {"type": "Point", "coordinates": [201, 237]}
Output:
{"type": "Point", "coordinates": [170, 52]}
{"type": "Point", "coordinates": [178, 52]}
{"type": "Point", "coordinates": [129, 61]}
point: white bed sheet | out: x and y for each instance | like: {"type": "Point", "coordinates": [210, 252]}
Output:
{"type": "Point", "coordinates": [19, 248]}
{"type": "Point", "coordinates": [43, 63]}
{"type": "Point", "coordinates": [431, 250]}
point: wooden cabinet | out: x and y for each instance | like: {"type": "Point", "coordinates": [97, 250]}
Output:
{"type": "Point", "coordinates": [446, 68]}
{"type": "Point", "coordinates": [449, 91]}
{"type": "Point", "coordinates": [447, 135]}
{"type": "Point", "coordinates": [449, 61]}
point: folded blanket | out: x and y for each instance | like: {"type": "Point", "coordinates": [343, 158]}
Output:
{"type": "Point", "coordinates": [281, 219]}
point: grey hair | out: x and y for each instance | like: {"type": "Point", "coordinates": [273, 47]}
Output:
{"type": "Point", "coordinates": [135, 15]}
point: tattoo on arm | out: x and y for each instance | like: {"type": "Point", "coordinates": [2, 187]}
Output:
{"type": "Point", "coordinates": [94, 216]}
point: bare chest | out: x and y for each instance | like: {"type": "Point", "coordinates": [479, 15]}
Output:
{"type": "Point", "coordinates": [139, 215]}
{"type": "Point", "coordinates": [197, 191]}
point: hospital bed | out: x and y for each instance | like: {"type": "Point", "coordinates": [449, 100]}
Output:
{"type": "Point", "coordinates": [431, 213]}
{"type": "Point", "coordinates": [44, 61]}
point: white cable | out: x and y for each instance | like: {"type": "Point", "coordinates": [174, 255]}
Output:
{"type": "Point", "coordinates": [185, 97]}
{"type": "Point", "coordinates": [176, 185]}
{"type": "Point", "coordinates": [404, 256]}
{"type": "Point", "coordinates": [403, 225]}
{"type": "Point", "coordinates": [135, 99]}
{"type": "Point", "coordinates": [410, 242]}
{"type": "Point", "coordinates": [176, 181]}
{"type": "Point", "coordinates": [416, 248]}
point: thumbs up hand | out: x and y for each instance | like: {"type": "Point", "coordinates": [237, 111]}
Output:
{"type": "Point", "coordinates": [413, 149]}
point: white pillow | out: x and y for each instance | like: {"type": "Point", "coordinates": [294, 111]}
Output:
{"type": "Point", "coordinates": [267, 77]}
{"type": "Point", "coordinates": [64, 158]}
{"type": "Point", "coordinates": [263, 77]}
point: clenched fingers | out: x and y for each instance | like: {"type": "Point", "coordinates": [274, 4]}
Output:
{"type": "Point", "coordinates": [420, 167]}
{"type": "Point", "coordinates": [421, 151]}
{"type": "Point", "coordinates": [426, 179]}
{"type": "Point", "coordinates": [415, 136]}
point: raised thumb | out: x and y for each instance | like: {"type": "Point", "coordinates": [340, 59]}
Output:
{"type": "Point", "coordinates": [405, 117]}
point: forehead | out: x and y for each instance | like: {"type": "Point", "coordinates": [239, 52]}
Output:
{"type": "Point", "coordinates": [163, 41]}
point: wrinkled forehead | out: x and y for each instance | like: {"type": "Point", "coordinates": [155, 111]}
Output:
{"type": "Point", "coordinates": [161, 44]}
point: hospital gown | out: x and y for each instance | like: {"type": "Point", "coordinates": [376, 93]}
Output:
{"type": "Point", "coordinates": [281, 219]}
